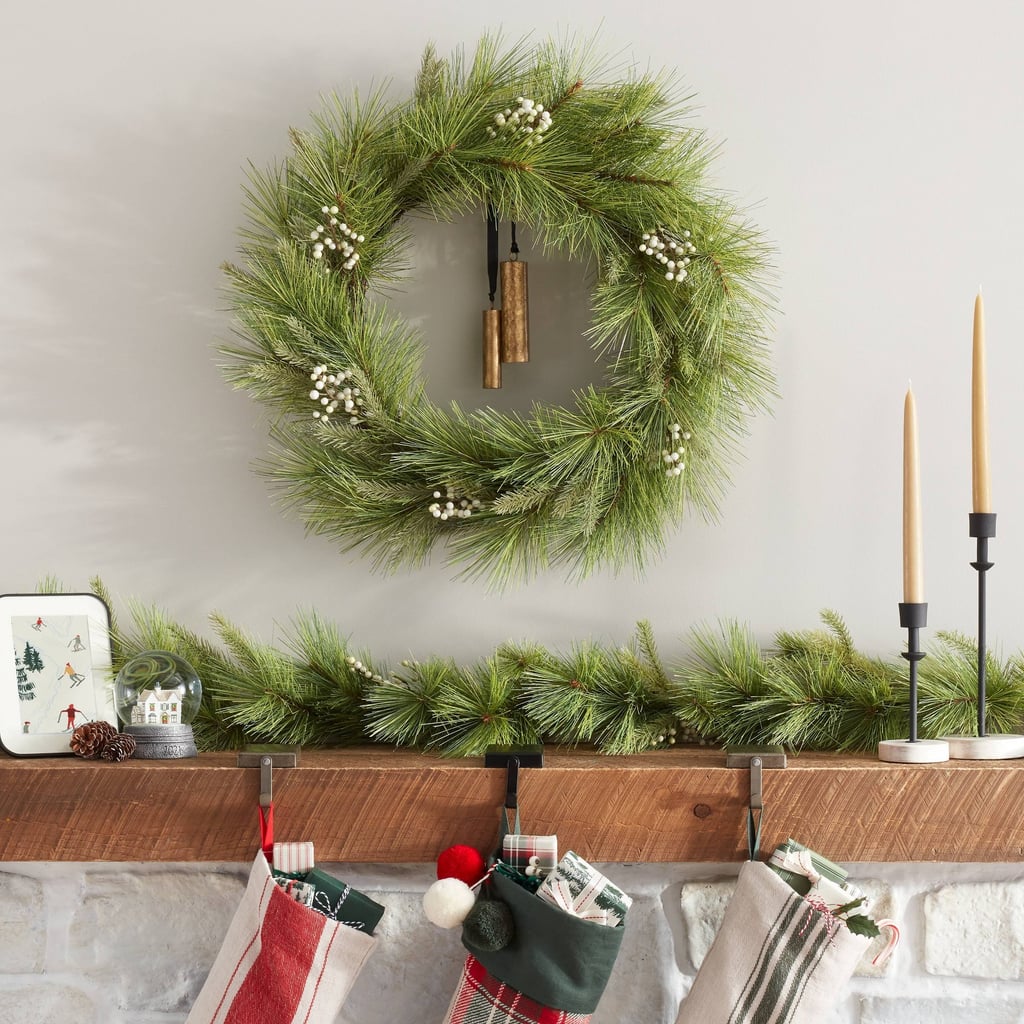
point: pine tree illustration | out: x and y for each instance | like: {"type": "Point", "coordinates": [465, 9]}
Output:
{"type": "Point", "coordinates": [610, 898]}
{"type": "Point", "coordinates": [33, 662]}
{"type": "Point", "coordinates": [575, 874]}
{"type": "Point", "coordinates": [26, 690]}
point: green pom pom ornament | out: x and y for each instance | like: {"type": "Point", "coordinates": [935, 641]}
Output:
{"type": "Point", "coordinates": [488, 926]}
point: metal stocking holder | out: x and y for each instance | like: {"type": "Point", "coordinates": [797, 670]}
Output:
{"type": "Point", "coordinates": [756, 758]}
{"type": "Point", "coordinates": [512, 759]}
{"type": "Point", "coordinates": [267, 760]}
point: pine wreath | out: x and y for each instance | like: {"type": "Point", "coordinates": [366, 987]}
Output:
{"type": "Point", "coordinates": [609, 174]}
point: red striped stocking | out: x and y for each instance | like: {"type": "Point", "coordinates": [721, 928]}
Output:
{"type": "Point", "coordinates": [280, 962]}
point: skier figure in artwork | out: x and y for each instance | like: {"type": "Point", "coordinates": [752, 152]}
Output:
{"type": "Point", "coordinates": [75, 677]}
{"type": "Point", "coordinates": [38, 625]}
{"type": "Point", "coordinates": [71, 711]}
{"type": "Point", "coordinates": [76, 644]}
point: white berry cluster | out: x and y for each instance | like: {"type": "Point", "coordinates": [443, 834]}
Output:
{"type": "Point", "coordinates": [669, 736]}
{"type": "Point", "coordinates": [672, 251]}
{"type": "Point", "coordinates": [683, 734]}
{"type": "Point", "coordinates": [529, 119]}
{"type": "Point", "coordinates": [335, 237]}
{"type": "Point", "coordinates": [333, 391]}
{"type": "Point", "coordinates": [367, 673]}
{"type": "Point", "coordinates": [674, 457]}
{"type": "Point", "coordinates": [448, 506]}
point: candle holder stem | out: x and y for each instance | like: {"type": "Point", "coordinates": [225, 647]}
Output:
{"type": "Point", "coordinates": [982, 526]}
{"type": "Point", "coordinates": [984, 746]}
{"type": "Point", "coordinates": [913, 618]}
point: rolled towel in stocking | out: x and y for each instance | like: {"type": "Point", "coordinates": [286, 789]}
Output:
{"type": "Point", "coordinates": [281, 962]}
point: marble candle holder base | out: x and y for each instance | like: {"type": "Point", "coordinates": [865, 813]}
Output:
{"type": "Point", "coordinates": [994, 747]}
{"type": "Point", "coordinates": [913, 751]}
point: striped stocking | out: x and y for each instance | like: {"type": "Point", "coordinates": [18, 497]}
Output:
{"type": "Point", "coordinates": [776, 960]}
{"type": "Point", "coordinates": [280, 962]}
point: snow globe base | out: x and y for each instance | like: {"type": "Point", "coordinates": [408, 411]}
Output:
{"type": "Point", "coordinates": [162, 742]}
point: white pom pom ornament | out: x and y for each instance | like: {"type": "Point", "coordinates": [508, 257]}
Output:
{"type": "Point", "coordinates": [447, 902]}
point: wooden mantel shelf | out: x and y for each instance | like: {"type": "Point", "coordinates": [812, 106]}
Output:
{"type": "Point", "coordinates": [373, 804]}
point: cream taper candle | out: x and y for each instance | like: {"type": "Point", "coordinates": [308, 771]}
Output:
{"type": "Point", "coordinates": [981, 488]}
{"type": "Point", "coordinates": [913, 568]}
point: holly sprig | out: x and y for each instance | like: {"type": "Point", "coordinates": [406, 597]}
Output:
{"type": "Point", "coordinates": [859, 924]}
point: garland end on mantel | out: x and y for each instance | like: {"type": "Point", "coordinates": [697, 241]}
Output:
{"type": "Point", "coordinates": [812, 690]}
{"type": "Point", "coordinates": [604, 171]}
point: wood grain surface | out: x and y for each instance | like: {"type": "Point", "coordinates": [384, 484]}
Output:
{"type": "Point", "coordinates": [383, 805]}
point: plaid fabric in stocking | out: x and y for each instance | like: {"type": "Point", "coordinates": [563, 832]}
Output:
{"type": "Point", "coordinates": [281, 963]}
{"type": "Point", "coordinates": [482, 999]}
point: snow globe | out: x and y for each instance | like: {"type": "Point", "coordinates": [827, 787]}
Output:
{"type": "Point", "coordinates": [157, 695]}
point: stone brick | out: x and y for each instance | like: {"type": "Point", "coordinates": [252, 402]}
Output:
{"type": "Point", "coordinates": [22, 924]}
{"type": "Point", "coordinates": [941, 1011]}
{"type": "Point", "coordinates": [882, 906]}
{"type": "Point", "coordinates": [44, 1003]}
{"type": "Point", "coordinates": [415, 967]}
{"type": "Point", "coordinates": [152, 938]}
{"type": "Point", "coordinates": [644, 986]}
{"type": "Point", "coordinates": [703, 905]}
{"type": "Point", "coordinates": [975, 930]}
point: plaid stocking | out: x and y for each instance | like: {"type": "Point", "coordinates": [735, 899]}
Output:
{"type": "Point", "coordinates": [554, 971]}
{"type": "Point", "coordinates": [482, 999]}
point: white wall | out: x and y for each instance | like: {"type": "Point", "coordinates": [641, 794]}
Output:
{"type": "Point", "coordinates": [879, 143]}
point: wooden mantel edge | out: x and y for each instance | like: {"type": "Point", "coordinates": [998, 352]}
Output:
{"type": "Point", "coordinates": [378, 805]}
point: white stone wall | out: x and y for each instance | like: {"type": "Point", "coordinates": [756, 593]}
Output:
{"type": "Point", "coordinates": [131, 943]}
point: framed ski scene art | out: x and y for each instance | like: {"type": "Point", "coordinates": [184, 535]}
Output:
{"type": "Point", "coordinates": [56, 672]}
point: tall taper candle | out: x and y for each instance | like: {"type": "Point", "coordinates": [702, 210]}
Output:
{"type": "Point", "coordinates": [913, 569]}
{"type": "Point", "coordinates": [981, 490]}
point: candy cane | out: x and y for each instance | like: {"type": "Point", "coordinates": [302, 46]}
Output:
{"type": "Point", "coordinates": [894, 938]}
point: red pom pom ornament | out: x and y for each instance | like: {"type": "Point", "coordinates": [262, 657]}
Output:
{"type": "Point", "coordinates": [463, 863]}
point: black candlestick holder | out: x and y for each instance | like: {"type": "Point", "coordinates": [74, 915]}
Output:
{"type": "Point", "coordinates": [982, 526]}
{"type": "Point", "coordinates": [984, 746]}
{"type": "Point", "coordinates": [913, 618]}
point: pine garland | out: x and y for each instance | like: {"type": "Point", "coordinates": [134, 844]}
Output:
{"type": "Point", "coordinates": [811, 690]}
{"type": "Point", "coordinates": [619, 179]}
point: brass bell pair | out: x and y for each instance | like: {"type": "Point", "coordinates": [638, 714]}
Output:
{"type": "Point", "coordinates": [506, 330]}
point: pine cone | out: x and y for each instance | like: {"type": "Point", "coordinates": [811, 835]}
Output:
{"type": "Point", "coordinates": [88, 740]}
{"type": "Point", "coordinates": [120, 748]}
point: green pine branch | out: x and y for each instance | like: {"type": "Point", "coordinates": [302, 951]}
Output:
{"type": "Point", "coordinates": [810, 690]}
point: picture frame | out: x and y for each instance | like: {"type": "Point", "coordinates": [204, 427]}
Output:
{"type": "Point", "coordinates": [55, 670]}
